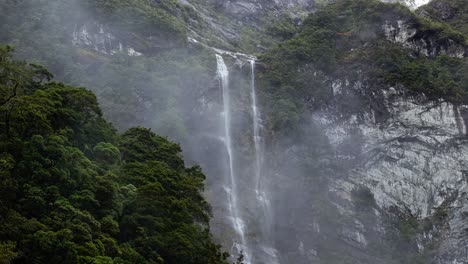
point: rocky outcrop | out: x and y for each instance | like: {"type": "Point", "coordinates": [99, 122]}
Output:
{"type": "Point", "coordinates": [410, 152]}
{"type": "Point", "coordinates": [98, 37]}
{"type": "Point", "coordinates": [415, 160]}
{"type": "Point", "coordinates": [253, 7]}
{"type": "Point", "coordinates": [422, 42]}
{"type": "Point", "coordinates": [223, 23]}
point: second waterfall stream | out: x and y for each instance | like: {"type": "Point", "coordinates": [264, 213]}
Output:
{"type": "Point", "coordinates": [258, 248]}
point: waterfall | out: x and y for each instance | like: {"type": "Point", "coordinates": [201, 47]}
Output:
{"type": "Point", "coordinates": [256, 129]}
{"type": "Point", "coordinates": [258, 148]}
{"type": "Point", "coordinates": [262, 243]}
{"type": "Point", "coordinates": [265, 243]}
{"type": "Point", "coordinates": [231, 189]}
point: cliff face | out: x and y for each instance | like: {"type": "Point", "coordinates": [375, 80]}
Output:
{"type": "Point", "coordinates": [390, 182]}
{"type": "Point", "coordinates": [219, 24]}
{"type": "Point", "coordinates": [418, 140]}
{"type": "Point", "coordinates": [98, 38]}
{"type": "Point", "coordinates": [397, 182]}
{"type": "Point", "coordinates": [414, 157]}
{"type": "Point", "coordinates": [413, 160]}
{"type": "Point", "coordinates": [393, 160]}
{"type": "Point", "coordinates": [451, 12]}
{"type": "Point", "coordinates": [422, 42]}
{"type": "Point", "coordinates": [364, 171]}
{"type": "Point", "coordinates": [252, 7]}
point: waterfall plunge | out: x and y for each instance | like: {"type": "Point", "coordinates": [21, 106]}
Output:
{"type": "Point", "coordinates": [256, 130]}
{"type": "Point", "coordinates": [269, 255]}
{"type": "Point", "coordinates": [262, 243]}
{"type": "Point", "coordinates": [237, 222]}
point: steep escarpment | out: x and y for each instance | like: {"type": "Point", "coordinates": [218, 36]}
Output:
{"type": "Point", "coordinates": [101, 25]}
{"type": "Point", "coordinates": [387, 90]}
{"type": "Point", "coordinates": [383, 45]}
{"type": "Point", "coordinates": [130, 54]}
{"type": "Point", "coordinates": [361, 117]}
{"type": "Point", "coordinates": [118, 47]}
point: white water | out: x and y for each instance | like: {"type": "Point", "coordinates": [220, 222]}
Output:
{"type": "Point", "coordinates": [256, 129]}
{"type": "Point", "coordinates": [237, 222]}
{"type": "Point", "coordinates": [258, 249]}
{"type": "Point", "coordinates": [269, 255]}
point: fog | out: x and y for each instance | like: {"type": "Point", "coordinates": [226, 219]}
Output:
{"type": "Point", "coordinates": [276, 198]}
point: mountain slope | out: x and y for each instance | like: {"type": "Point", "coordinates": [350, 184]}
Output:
{"type": "Point", "coordinates": [451, 12]}
{"type": "Point", "coordinates": [363, 107]}
{"type": "Point", "coordinates": [387, 90]}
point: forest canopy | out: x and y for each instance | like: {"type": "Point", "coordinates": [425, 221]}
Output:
{"type": "Point", "coordinates": [73, 190]}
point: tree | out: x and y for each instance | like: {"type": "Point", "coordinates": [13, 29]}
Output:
{"type": "Point", "coordinates": [7, 253]}
{"type": "Point", "coordinates": [240, 259]}
{"type": "Point", "coordinates": [72, 190]}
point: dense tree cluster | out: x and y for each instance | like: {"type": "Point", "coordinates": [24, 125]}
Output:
{"type": "Point", "coordinates": [72, 190]}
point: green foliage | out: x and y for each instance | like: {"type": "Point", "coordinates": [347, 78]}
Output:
{"type": "Point", "coordinates": [453, 12]}
{"type": "Point", "coordinates": [74, 191]}
{"type": "Point", "coordinates": [157, 18]}
{"type": "Point", "coordinates": [106, 152]}
{"type": "Point", "coordinates": [282, 27]}
{"type": "Point", "coordinates": [163, 19]}
{"type": "Point", "coordinates": [440, 77]}
{"type": "Point", "coordinates": [346, 38]}
{"type": "Point", "coordinates": [130, 89]}
{"type": "Point", "coordinates": [7, 253]}
{"type": "Point", "coordinates": [276, 28]}
{"type": "Point", "coordinates": [401, 233]}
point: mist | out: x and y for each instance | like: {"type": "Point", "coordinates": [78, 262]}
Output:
{"type": "Point", "coordinates": [305, 161]}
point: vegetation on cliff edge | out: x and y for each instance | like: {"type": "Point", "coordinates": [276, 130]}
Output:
{"type": "Point", "coordinates": [347, 40]}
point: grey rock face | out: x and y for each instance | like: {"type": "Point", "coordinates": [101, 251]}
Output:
{"type": "Point", "coordinates": [222, 22]}
{"type": "Point", "coordinates": [98, 37]}
{"type": "Point", "coordinates": [411, 154]}
{"type": "Point", "coordinates": [445, 10]}
{"type": "Point", "coordinates": [405, 33]}
{"type": "Point", "coordinates": [249, 7]}
{"type": "Point", "coordinates": [242, 7]}
{"type": "Point", "coordinates": [415, 159]}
